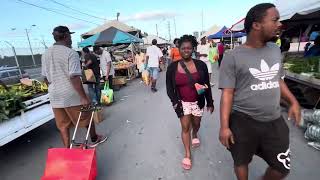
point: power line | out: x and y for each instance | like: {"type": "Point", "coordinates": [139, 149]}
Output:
{"type": "Point", "coordinates": [47, 9]}
{"type": "Point", "coordinates": [76, 10]}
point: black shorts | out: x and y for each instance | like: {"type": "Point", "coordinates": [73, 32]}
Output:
{"type": "Point", "coordinates": [268, 140]}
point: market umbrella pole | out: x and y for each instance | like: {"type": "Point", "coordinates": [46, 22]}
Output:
{"type": "Point", "coordinates": [231, 40]}
{"type": "Point", "coordinates": [299, 39]}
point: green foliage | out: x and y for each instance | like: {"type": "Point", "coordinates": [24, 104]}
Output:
{"type": "Point", "coordinates": [303, 65]}
{"type": "Point", "coordinates": [11, 99]}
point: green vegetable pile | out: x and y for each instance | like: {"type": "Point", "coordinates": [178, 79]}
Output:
{"type": "Point", "coordinates": [303, 65]}
{"type": "Point", "coordinates": [12, 98]}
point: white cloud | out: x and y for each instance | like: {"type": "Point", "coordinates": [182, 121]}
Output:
{"type": "Point", "coordinates": [151, 15]}
{"type": "Point", "coordinates": [77, 26]}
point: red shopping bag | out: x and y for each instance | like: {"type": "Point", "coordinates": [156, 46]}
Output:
{"type": "Point", "coordinates": [70, 164]}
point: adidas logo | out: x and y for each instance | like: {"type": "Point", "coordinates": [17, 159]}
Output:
{"type": "Point", "coordinates": [264, 86]}
{"type": "Point", "coordinates": [265, 74]}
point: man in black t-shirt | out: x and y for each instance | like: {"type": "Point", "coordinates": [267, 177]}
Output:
{"type": "Point", "coordinates": [91, 62]}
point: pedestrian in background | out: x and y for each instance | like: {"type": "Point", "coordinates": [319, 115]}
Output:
{"type": "Point", "coordinates": [188, 101]}
{"type": "Point", "coordinates": [153, 58]}
{"type": "Point", "coordinates": [174, 53]}
{"type": "Point", "coordinates": [106, 65]}
{"type": "Point", "coordinates": [203, 54]}
{"type": "Point", "coordinates": [91, 62]}
{"type": "Point", "coordinates": [221, 51]}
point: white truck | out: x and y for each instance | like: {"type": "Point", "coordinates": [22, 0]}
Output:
{"type": "Point", "coordinates": [37, 113]}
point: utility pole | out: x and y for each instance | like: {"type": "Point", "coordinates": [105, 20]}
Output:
{"type": "Point", "coordinates": [118, 14]}
{"type": "Point", "coordinates": [157, 30]}
{"type": "Point", "coordinates": [43, 43]}
{"type": "Point", "coordinates": [169, 30]}
{"type": "Point", "coordinates": [201, 21]}
{"type": "Point", "coordinates": [34, 62]}
{"type": "Point", "coordinates": [15, 57]}
{"type": "Point", "coordinates": [175, 27]}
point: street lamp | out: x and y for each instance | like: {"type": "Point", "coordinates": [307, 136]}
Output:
{"type": "Point", "coordinates": [27, 33]}
{"type": "Point", "coordinates": [15, 56]}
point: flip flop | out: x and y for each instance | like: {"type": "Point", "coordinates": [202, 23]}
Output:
{"type": "Point", "coordinates": [186, 163]}
{"type": "Point", "coordinates": [195, 142]}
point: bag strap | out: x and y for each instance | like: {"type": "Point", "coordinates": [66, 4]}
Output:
{"type": "Point", "coordinates": [191, 80]}
{"type": "Point", "coordinates": [106, 85]}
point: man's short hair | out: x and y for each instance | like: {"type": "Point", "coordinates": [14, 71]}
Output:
{"type": "Point", "coordinates": [86, 50]}
{"type": "Point", "coordinates": [154, 42]}
{"type": "Point", "coordinates": [176, 40]}
{"type": "Point", "coordinates": [96, 48]}
{"type": "Point", "coordinates": [256, 14]}
{"type": "Point", "coordinates": [59, 32]}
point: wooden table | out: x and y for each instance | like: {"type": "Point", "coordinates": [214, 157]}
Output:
{"type": "Point", "coordinates": [130, 71]}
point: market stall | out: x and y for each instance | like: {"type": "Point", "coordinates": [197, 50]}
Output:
{"type": "Point", "coordinates": [112, 36]}
{"type": "Point", "coordinates": [125, 68]}
{"type": "Point", "coordinates": [227, 35]}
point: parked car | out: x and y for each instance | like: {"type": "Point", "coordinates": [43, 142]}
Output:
{"type": "Point", "coordinates": [11, 75]}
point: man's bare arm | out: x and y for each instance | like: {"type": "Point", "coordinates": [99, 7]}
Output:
{"type": "Point", "coordinates": [77, 85]}
{"type": "Point", "coordinates": [294, 110]}
{"type": "Point", "coordinates": [225, 135]}
{"type": "Point", "coordinates": [225, 107]}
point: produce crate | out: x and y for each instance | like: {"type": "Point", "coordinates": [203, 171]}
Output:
{"type": "Point", "coordinates": [119, 80]}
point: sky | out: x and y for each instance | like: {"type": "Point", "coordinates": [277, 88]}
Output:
{"type": "Point", "coordinates": [184, 17]}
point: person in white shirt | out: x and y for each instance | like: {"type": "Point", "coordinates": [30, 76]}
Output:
{"type": "Point", "coordinates": [203, 50]}
{"type": "Point", "coordinates": [105, 64]}
{"type": "Point", "coordinates": [153, 57]}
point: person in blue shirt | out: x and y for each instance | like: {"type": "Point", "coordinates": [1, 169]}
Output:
{"type": "Point", "coordinates": [315, 49]}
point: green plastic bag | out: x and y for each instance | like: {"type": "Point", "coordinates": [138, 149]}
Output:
{"type": "Point", "coordinates": [213, 55]}
{"type": "Point", "coordinates": [106, 94]}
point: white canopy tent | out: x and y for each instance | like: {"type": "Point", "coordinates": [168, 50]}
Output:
{"type": "Point", "coordinates": [214, 29]}
{"type": "Point", "coordinates": [288, 10]}
{"type": "Point", "coordinates": [239, 26]}
{"type": "Point", "coordinates": [301, 7]}
{"type": "Point", "coordinates": [148, 40]}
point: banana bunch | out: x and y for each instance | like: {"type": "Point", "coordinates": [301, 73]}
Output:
{"type": "Point", "coordinates": [39, 86]}
{"type": "Point", "coordinates": [25, 90]}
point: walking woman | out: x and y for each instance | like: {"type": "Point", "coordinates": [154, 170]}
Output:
{"type": "Point", "coordinates": [188, 88]}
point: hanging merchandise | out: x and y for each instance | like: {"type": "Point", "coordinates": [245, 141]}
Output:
{"type": "Point", "coordinates": [316, 117]}
{"type": "Point", "coordinates": [313, 133]}
{"type": "Point", "coordinates": [306, 117]}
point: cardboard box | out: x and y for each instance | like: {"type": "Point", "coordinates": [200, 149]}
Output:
{"type": "Point", "coordinates": [119, 80]}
